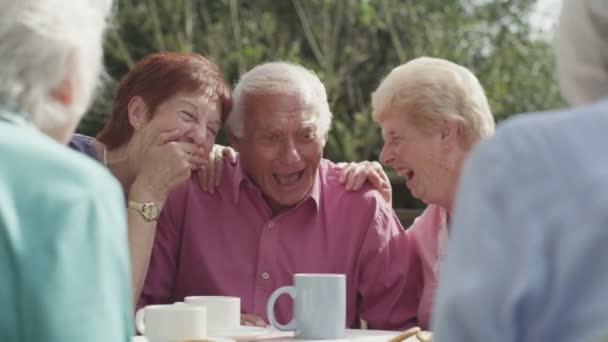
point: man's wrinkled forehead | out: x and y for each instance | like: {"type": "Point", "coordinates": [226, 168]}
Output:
{"type": "Point", "coordinates": [301, 120]}
{"type": "Point", "coordinates": [274, 101]}
{"type": "Point", "coordinates": [267, 109]}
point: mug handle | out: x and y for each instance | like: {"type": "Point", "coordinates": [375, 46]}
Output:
{"type": "Point", "coordinates": [139, 321]}
{"type": "Point", "coordinates": [291, 291]}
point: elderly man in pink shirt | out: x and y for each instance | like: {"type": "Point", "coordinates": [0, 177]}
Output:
{"type": "Point", "coordinates": [282, 210]}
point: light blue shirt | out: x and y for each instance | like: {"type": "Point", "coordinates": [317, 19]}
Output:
{"type": "Point", "coordinates": [528, 255]}
{"type": "Point", "coordinates": [64, 266]}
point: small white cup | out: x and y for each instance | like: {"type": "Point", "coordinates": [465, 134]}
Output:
{"type": "Point", "coordinates": [173, 322]}
{"type": "Point", "coordinates": [223, 313]}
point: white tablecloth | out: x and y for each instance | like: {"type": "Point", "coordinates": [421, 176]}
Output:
{"type": "Point", "coordinates": [351, 335]}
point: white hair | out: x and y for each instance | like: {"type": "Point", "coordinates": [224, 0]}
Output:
{"type": "Point", "coordinates": [42, 43]}
{"type": "Point", "coordinates": [430, 90]}
{"type": "Point", "coordinates": [582, 51]}
{"type": "Point", "coordinates": [280, 78]}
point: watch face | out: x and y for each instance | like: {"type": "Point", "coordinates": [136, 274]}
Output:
{"type": "Point", "coordinates": [150, 211]}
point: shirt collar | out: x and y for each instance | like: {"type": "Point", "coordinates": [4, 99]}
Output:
{"type": "Point", "coordinates": [8, 114]}
{"type": "Point", "coordinates": [315, 190]}
{"type": "Point", "coordinates": [238, 178]}
{"type": "Point", "coordinates": [241, 178]}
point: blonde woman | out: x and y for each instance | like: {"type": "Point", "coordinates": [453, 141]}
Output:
{"type": "Point", "coordinates": [432, 113]}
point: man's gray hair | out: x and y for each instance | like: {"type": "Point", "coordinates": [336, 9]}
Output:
{"type": "Point", "coordinates": [280, 78]}
{"type": "Point", "coordinates": [582, 50]}
{"type": "Point", "coordinates": [42, 42]}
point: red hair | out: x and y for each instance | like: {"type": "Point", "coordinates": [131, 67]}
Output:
{"type": "Point", "coordinates": [158, 77]}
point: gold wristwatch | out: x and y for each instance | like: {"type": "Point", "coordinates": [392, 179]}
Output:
{"type": "Point", "coordinates": [148, 210]}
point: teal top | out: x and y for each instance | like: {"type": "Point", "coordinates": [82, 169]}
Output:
{"type": "Point", "coordinates": [64, 267]}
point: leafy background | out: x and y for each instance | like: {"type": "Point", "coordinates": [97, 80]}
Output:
{"type": "Point", "coordinates": [350, 44]}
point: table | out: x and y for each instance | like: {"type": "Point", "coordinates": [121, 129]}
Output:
{"type": "Point", "coordinates": [351, 335]}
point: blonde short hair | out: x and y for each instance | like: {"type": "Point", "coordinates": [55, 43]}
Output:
{"type": "Point", "coordinates": [431, 90]}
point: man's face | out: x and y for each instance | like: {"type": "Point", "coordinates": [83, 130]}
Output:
{"type": "Point", "coordinates": [281, 148]}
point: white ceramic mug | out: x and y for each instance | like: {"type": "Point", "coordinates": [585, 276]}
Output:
{"type": "Point", "coordinates": [173, 322]}
{"type": "Point", "coordinates": [319, 306]}
{"type": "Point", "coordinates": [223, 312]}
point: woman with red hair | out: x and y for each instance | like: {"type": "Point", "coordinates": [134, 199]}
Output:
{"type": "Point", "coordinates": [165, 117]}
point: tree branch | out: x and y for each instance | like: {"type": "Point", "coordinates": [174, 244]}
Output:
{"type": "Point", "coordinates": [122, 48]}
{"type": "Point", "coordinates": [158, 34]}
{"type": "Point", "coordinates": [308, 31]}
{"type": "Point", "coordinates": [188, 25]}
{"type": "Point", "coordinates": [236, 32]}
{"type": "Point", "coordinates": [335, 36]}
{"type": "Point", "coordinates": [393, 31]}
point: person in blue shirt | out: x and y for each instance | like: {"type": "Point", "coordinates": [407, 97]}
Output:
{"type": "Point", "coordinates": [64, 268]}
{"type": "Point", "coordinates": [530, 230]}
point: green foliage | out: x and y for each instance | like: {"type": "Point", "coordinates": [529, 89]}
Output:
{"type": "Point", "coordinates": [351, 44]}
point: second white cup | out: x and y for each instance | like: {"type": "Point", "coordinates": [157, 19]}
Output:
{"type": "Point", "coordinates": [172, 322]}
{"type": "Point", "coordinates": [223, 313]}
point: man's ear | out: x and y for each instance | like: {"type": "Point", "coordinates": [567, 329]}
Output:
{"type": "Point", "coordinates": [138, 112]}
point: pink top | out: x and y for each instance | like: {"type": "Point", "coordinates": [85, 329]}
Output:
{"type": "Point", "coordinates": [428, 237]}
{"type": "Point", "coordinates": [228, 243]}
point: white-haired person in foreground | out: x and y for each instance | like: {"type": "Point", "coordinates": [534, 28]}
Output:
{"type": "Point", "coordinates": [282, 210]}
{"type": "Point", "coordinates": [432, 113]}
{"type": "Point", "coordinates": [64, 270]}
{"type": "Point", "coordinates": [530, 229]}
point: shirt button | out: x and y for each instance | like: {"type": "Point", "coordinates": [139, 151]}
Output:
{"type": "Point", "coordinates": [270, 224]}
{"type": "Point", "coordinates": [265, 275]}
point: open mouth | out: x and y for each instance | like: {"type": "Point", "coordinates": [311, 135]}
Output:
{"type": "Point", "coordinates": [288, 179]}
{"type": "Point", "coordinates": [409, 175]}
{"type": "Point", "coordinates": [406, 173]}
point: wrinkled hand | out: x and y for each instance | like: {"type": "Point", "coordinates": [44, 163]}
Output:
{"type": "Point", "coordinates": [252, 320]}
{"type": "Point", "coordinates": [354, 175]}
{"type": "Point", "coordinates": [165, 163]}
{"type": "Point", "coordinates": [421, 335]}
{"type": "Point", "coordinates": [209, 177]}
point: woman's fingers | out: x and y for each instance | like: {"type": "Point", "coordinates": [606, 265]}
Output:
{"type": "Point", "coordinates": [168, 136]}
{"type": "Point", "coordinates": [252, 320]}
{"type": "Point", "coordinates": [230, 153]}
{"type": "Point", "coordinates": [346, 174]}
{"type": "Point", "coordinates": [355, 175]}
{"type": "Point", "coordinates": [363, 174]}
{"type": "Point", "coordinates": [196, 161]}
{"type": "Point", "coordinates": [219, 165]}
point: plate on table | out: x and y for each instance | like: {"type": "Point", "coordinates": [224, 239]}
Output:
{"type": "Point", "coordinates": [382, 338]}
{"type": "Point", "coordinates": [244, 332]}
{"type": "Point", "coordinates": [210, 339]}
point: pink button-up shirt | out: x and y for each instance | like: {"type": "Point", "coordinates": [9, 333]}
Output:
{"type": "Point", "coordinates": [428, 237]}
{"type": "Point", "coordinates": [228, 243]}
